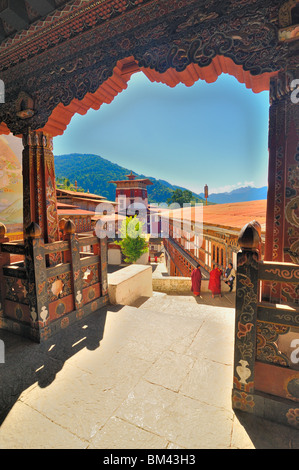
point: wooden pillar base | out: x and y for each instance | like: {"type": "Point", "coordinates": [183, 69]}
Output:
{"type": "Point", "coordinates": [246, 309]}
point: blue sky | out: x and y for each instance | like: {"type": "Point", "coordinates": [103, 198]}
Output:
{"type": "Point", "coordinates": [215, 134]}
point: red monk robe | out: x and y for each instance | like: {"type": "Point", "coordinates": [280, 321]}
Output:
{"type": "Point", "coordinates": [196, 281]}
{"type": "Point", "coordinates": [215, 281]}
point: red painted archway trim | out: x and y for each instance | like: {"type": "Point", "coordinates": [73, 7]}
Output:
{"type": "Point", "coordinates": [4, 129]}
{"type": "Point", "coordinates": [62, 115]}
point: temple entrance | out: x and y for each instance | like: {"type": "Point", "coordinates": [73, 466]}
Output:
{"type": "Point", "coordinates": [143, 110]}
{"type": "Point", "coordinates": [47, 83]}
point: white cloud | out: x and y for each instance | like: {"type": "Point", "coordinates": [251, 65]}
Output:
{"type": "Point", "coordinates": [230, 187]}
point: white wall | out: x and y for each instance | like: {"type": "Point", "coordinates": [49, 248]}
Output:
{"type": "Point", "coordinates": [114, 257]}
{"type": "Point", "coordinates": [128, 284]}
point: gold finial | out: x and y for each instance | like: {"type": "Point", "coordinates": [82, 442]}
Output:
{"type": "Point", "coordinates": [2, 230]}
{"type": "Point", "coordinates": [249, 237]}
{"type": "Point", "coordinates": [33, 231]}
{"type": "Point", "coordinates": [69, 227]}
{"type": "Point", "coordinates": [61, 224]}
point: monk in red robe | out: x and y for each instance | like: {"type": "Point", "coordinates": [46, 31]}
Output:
{"type": "Point", "coordinates": [215, 282]}
{"type": "Point", "coordinates": [196, 281]}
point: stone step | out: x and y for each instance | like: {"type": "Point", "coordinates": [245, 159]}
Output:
{"type": "Point", "coordinates": [180, 306]}
{"type": "Point", "coordinates": [187, 305]}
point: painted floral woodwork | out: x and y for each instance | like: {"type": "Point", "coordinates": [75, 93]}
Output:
{"type": "Point", "coordinates": [39, 190]}
{"type": "Point", "coordinates": [267, 348]}
{"type": "Point", "coordinates": [283, 196]}
{"type": "Point", "coordinates": [266, 363]}
{"type": "Point", "coordinates": [88, 57]}
{"type": "Point", "coordinates": [246, 317]}
{"type": "Point", "coordinates": [64, 63]}
{"type": "Point", "coordinates": [39, 299]}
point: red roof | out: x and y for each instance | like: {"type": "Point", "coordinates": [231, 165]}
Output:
{"type": "Point", "coordinates": [75, 212]}
{"type": "Point", "coordinates": [80, 194]}
{"type": "Point", "coordinates": [68, 209]}
{"type": "Point", "coordinates": [129, 182]}
{"type": "Point", "coordinates": [62, 205]}
{"type": "Point", "coordinates": [109, 217]}
{"type": "Point", "coordinates": [231, 215]}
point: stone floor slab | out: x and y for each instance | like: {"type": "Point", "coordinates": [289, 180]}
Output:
{"type": "Point", "coordinates": [119, 434]}
{"type": "Point", "coordinates": [214, 340]}
{"type": "Point", "coordinates": [170, 370]}
{"type": "Point", "coordinates": [26, 428]}
{"type": "Point", "coordinates": [179, 419]}
{"type": "Point", "coordinates": [157, 376]}
{"type": "Point", "coordinates": [77, 401]}
{"type": "Point", "coordinates": [196, 425]}
{"type": "Point", "coordinates": [209, 382]}
{"type": "Point", "coordinates": [145, 406]}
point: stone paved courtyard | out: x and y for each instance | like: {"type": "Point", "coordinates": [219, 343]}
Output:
{"type": "Point", "coordinates": [151, 376]}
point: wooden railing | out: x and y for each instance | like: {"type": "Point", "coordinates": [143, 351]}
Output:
{"type": "Point", "coordinates": [183, 260]}
{"type": "Point", "coordinates": [55, 284]}
{"type": "Point", "coordinates": [283, 314]}
{"type": "Point", "coordinates": [266, 359]}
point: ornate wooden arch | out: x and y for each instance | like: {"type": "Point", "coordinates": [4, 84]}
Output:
{"type": "Point", "coordinates": [84, 54]}
{"type": "Point", "coordinates": [62, 115]}
{"type": "Point", "coordinates": [285, 13]}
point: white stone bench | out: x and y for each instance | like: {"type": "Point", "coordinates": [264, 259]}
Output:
{"type": "Point", "coordinates": [128, 284]}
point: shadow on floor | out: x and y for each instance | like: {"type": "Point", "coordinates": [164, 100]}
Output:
{"type": "Point", "coordinates": [27, 362]}
{"type": "Point", "coordinates": [139, 302]}
{"type": "Point", "coordinates": [267, 434]}
{"type": "Point", "coordinates": [113, 268]}
{"type": "Point", "coordinates": [227, 300]}
{"type": "Point", "coordinates": [154, 266]}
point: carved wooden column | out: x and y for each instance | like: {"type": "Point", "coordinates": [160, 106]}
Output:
{"type": "Point", "coordinates": [104, 265]}
{"type": "Point", "coordinates": [74, 259]}
{"type": "Point", "coordinates": [246, 319]}
{"type": "Point", "coordinates": [39, 189]}
{"type": "Point", "coordinates": [37, 282]}
{"type": "Point", "coordinates": [282, 224]}
{"type": "Point", "coordinates": [102, 250]}
{"type": "Point", "coordinates": [4, 260]}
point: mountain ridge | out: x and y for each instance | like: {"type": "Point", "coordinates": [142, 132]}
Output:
{"type": "Point", "coordinates": [243, 194]}
{"type": "Point", "coordinates": [93, 172]}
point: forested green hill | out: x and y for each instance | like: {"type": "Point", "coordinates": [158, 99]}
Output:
{"type": "Point", "coordinates": [93, 173]}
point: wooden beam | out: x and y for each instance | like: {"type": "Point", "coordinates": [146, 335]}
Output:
{"type": "Point", "coordinates": [14, 13]}
{"type": "Point", "coordinates": [278, 314]}
{"type": "Point", "coordinates": [43, 7]}
{"type": "Point", "coordinates": [2, 32]}
{"type": "Point", "coordinates": [279, 272]}
{"type": "Point", "coordinates": [277, 381]}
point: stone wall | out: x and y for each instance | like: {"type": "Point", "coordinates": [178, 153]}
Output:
{"type": "Point", "coordinates": [181, 285]}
